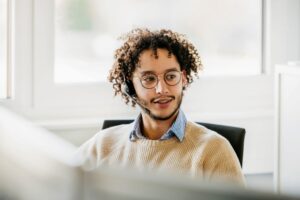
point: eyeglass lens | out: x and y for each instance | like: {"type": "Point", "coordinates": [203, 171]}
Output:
{"type": "Point", "coordinates": [151, 80]}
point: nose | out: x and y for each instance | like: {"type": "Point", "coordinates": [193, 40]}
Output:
{"type": "Point", "coordinates": [161, 87]}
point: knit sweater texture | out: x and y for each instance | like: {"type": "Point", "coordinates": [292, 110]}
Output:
{"type": "Point", "coordinates": [203, 153]}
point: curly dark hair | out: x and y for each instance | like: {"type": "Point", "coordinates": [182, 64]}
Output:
{"type": "Point", "coordinates": [138, 40]}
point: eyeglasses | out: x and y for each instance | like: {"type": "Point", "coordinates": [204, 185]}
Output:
{"type": "Point", "coordinates": [150, 80]}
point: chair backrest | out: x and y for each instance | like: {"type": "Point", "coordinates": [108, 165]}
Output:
{"type": "Point", "coordinates": [234, 135]}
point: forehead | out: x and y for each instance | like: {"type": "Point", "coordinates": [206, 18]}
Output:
{"type": "Point", "coordinates": [162, 63]}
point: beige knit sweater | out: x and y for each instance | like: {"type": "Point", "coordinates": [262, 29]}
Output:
{"type": "Point", "coordinates": [202, 153]}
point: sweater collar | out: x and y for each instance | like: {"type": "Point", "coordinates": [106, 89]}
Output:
{"type": "Point", "coordinates": [177, 129]}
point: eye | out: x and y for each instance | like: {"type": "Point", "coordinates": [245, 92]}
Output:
{"type": "Point", "coordinates": [149, 78]}
{"type": "Point", "coordinates": [171, 76]}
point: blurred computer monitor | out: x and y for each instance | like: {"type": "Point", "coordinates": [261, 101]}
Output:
{"type": "Point", "coordinates": [34, 163]}
{"type": "Point", "coordinates": [108, 183]}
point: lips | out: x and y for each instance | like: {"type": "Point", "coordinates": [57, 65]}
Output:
{"type": "Point", "coordinates": [163, 100]}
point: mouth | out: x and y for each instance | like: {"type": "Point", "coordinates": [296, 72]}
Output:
{"type": "Point", "coordinates": [164, 100]}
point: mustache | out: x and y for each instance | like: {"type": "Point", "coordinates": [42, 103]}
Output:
{"type": "Point", "coordinates": [162, 97]}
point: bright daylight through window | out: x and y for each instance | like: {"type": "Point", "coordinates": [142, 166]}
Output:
{"type": "Point", "coordinates": [3, 49]}
{"type": "Point", "coordinates": [227, 33]}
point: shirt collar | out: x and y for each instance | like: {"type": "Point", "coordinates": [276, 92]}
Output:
{"type": "Point", "coordinates": [177, 128]}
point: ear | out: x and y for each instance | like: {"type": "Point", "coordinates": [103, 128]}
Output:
{"type": "Point", "coordinates": [184, 78]}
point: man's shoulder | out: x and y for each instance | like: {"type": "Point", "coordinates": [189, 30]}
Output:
{"type": "Point", "coordinates": [114, 132]}
{"type": "Point", "coordinates": [200, 134]}
{"type": "Point", "coordinates": [107, 137]}
{"type": "Point", "coordinates": [101, 145]}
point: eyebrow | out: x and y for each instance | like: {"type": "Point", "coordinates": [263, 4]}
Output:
{"type": "Point", "coordinates": [153, 72]}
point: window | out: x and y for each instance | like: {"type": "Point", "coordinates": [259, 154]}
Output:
{"type": "Point", "coordinates": [226, 33]}
{"type": "Point", "coordinates": [3, 49]}
{"type": "Point", "coordinates": [74, 40]}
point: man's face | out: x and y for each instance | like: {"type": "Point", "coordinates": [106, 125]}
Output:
{"type": "Point", "coordinates": [163, 99]}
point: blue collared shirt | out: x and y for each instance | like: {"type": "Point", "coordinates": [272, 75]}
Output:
{"type": "Point", "coordinates": [177, 129]}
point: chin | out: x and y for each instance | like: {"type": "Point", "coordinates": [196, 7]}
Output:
{"type": "Point", "coordinates": [163, 115]}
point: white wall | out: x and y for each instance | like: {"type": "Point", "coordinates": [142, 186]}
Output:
{"type": "Point", "coordinates": [282, 32]}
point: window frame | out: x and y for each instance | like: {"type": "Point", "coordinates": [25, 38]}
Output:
{"type": "Point", "coordinates": [9, 51]}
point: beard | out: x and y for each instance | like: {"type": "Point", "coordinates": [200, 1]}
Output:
{"type": "Point", "coordinates": [163, 118]}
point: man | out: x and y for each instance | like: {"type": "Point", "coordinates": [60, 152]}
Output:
{"type": "Point", "coordinates": [152, 69]}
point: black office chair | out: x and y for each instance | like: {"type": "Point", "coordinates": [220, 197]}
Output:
{"type": "Point", "coordinates": [234, 135]}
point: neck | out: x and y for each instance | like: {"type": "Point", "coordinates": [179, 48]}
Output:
{"type": "Point", "coordinates": [154, 129]}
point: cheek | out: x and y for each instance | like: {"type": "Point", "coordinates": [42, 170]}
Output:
{"type": "Point", "coordinates": [178, 88]}
{"type": "Point", "coordinates": [178, 91]}
{"type": "Point", "coordinates": [141, 93]}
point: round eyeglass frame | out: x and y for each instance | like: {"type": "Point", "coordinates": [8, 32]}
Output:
{"type": "Point", "coordinates": [157, 79]}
